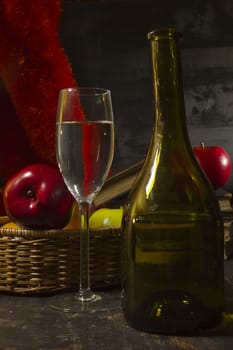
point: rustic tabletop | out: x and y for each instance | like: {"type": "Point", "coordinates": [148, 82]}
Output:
{"type": "Point", "coordinates": [39, 323]}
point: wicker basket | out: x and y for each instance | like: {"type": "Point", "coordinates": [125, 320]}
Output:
{"type": "Point", "coordinates": [47, 261]}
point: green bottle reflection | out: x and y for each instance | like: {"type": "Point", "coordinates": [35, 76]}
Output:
{"type": "Point", "coordinates": [173, 273]}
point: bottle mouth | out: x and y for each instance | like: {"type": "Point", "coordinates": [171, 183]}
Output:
{"type": "Point", "coordinates": [164, 33]}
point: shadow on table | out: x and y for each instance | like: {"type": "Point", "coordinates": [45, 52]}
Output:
{"type": "Point", "coordinates": [225, 328]}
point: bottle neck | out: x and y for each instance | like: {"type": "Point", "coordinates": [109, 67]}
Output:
{"type": "Point", "coordinates": [169, 106]}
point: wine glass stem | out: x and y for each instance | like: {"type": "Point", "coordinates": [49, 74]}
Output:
{"type": "Point", "coordinates": [84, 278]}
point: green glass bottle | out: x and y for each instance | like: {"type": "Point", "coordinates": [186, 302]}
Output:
{"type": "Point", "coordinates": [173, 238]}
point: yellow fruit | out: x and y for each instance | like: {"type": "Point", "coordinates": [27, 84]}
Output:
{"type": "Point", "coordinates": [74, 222]}
{"type": "Point", "coordinates": [11, 225]}
{"type": "Point", "coordinates": [106, 217]}
{"type": "Point", "coordinates": [101, 218]}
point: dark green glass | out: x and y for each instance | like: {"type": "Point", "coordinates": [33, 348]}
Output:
{"type": "Point", "coordinates": [173, 238]}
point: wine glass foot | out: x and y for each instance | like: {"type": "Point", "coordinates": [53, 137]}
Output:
{"type": "Point", "coordinates": [71, 305]}
{"type": "Point", "coordinates": [87, 297]}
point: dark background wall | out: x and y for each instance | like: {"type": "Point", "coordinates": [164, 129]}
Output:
{"type": "Point", "coordinates": [107, 47]}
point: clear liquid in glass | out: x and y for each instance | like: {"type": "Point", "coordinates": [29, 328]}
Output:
{"type": "Point", "coordinates": [84, 164]}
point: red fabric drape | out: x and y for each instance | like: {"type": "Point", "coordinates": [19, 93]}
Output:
{"type": "Point", "coordinates": [33, 68]}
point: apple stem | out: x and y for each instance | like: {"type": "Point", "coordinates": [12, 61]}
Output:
{"type": "Point", "coordinates": [30, 194]}
{"type": "Point", "coordinates": [202, 144]}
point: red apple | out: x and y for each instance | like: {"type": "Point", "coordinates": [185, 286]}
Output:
{"type": "Point", "coordinates": [216, 163]}
{"type": "Point", "coordinates": [2, 207]}
{"type": "Point", "coordinates": [37, 197]}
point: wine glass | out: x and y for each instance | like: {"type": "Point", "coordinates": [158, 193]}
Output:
{"type": "Point", "coordinates": [84, 150]}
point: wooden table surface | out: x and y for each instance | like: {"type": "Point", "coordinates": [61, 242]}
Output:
{"type": "Point", "coordinates": [39, 323]}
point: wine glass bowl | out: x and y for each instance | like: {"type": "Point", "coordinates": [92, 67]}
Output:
{"type": "Point", "coordinates": [84, 150]}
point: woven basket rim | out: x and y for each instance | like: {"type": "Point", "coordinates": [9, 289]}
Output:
{"type": "Point", "coordinates": [28, 233]}
{"type": "Point", "coordinates": [56, 234]}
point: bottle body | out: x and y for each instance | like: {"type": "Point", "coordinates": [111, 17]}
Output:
{"type": "Point", "coordinates": [172, 278]}
{"type": "Point", "coordinates": [173, 268]}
